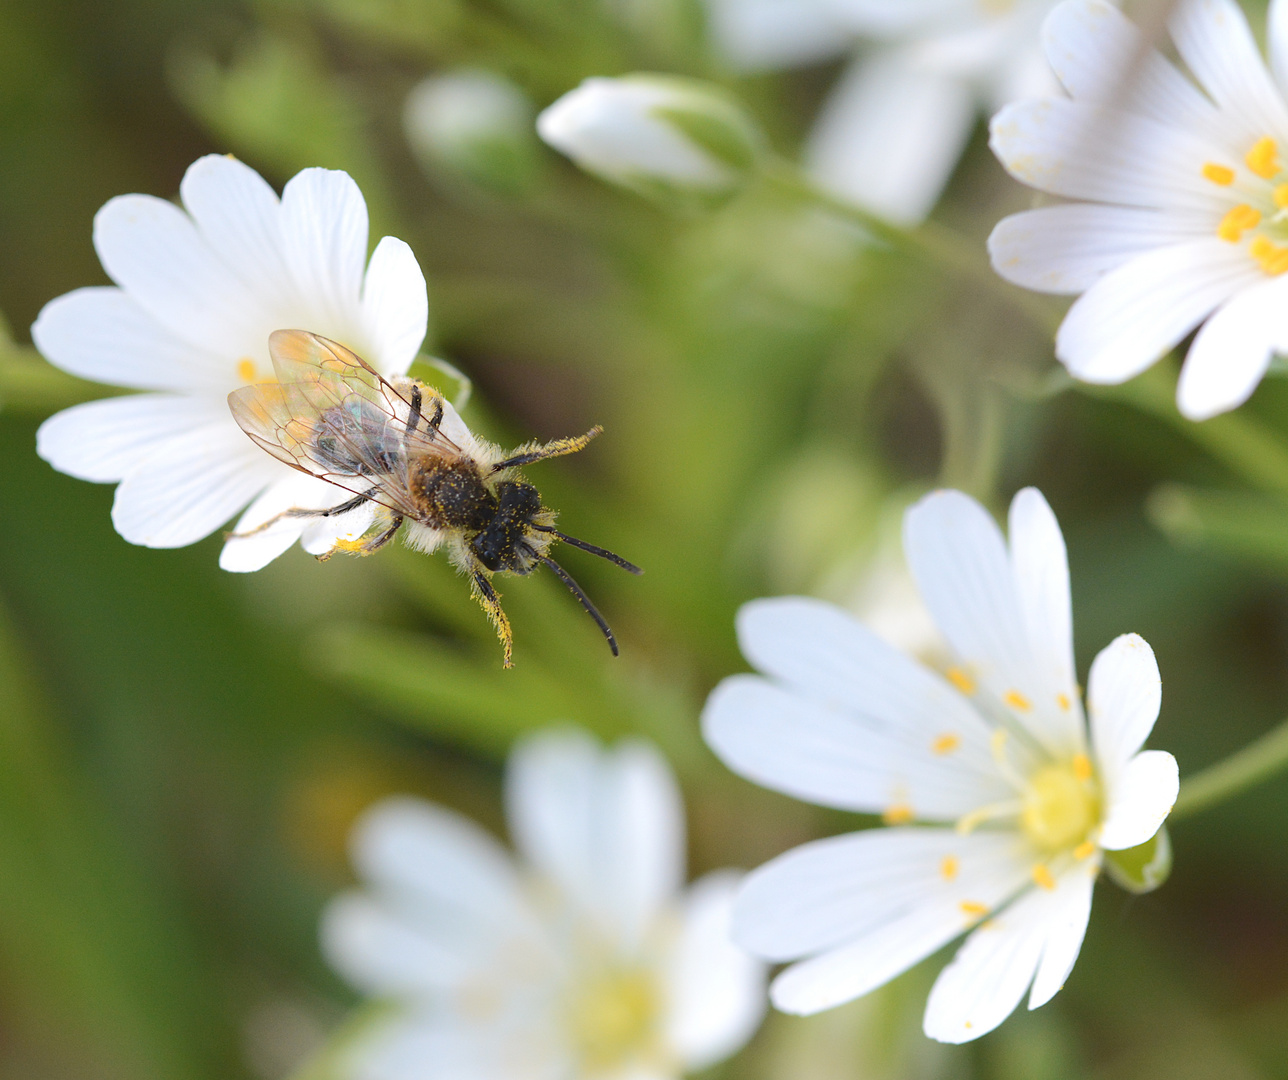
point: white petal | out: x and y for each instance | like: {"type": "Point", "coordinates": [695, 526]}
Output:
{"type": "Point", "coordinates": [890, 134]}
{"type": "Point", "coordinates": [1103, 154]}
{"type": "Point", "coordinates": [1124, 694]}
{"type": "Point", "coordinates": [1277, 33]}
{"type": "Point", "coordinates": [384, 951]}
{"type": "Point", "coordinates": [239, 216]}
{"type": "Point", "coordinates": [717, 991]}
{"type": "Point", "coordinates": [100, 333]}
{"type": "Point", "coordinates": [1041, 567]}
{"type": "Point", "coordinates": [1068, 248]}
{"type": "Point", "coordinates": [245, 554]}
{"type": "Point", "coordinates": [1213, 39]}
{"type": "Point", "coordinates": [435, 858]}
{"type": "Point", "coordinates": [1232, 351]}
{"type": "Point", "coordinates": [1139, 800]}
{"type": "Point", "coordinates": [324, 231]}
{"type": "Point", "coordinates": [607, 826]}
{"type": "Point", "coordinates": [876, 902]}
{"type": "Point", "coordinates": [1135, 314]}
{"type": "Point", "coordinates": [1071, 908]}
{"type": "Point", "coordinates": [321, 534]}
{"type": "Point", "coordinates": [766, 34]}
{"type": "Point", "coordinates": [828, 893]}
{"type": "Point", "coordinates": [395, 306]}
{"type": "Point", "coordinates": [900, 18]}
{"type": "Point", "coordinates": [104, 440]}
{"type": "Point", "coordinates": [155, 253]}
{"type": "Point", "coordinates": [990, 973]}
{"type": "Point", "coordinates": [961, 565]}
{"type": "Point", "coordinates": [1101, 57]}
{"type": "Point", "coordinates": [848, 759]}
{"type": "Point", "coordinates": [190, 485]}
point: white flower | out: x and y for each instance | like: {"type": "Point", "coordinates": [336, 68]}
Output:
{"type": "Point", "coordinates": [197, 294]}
{"type": "Point", "coordinates": [657, 134]}
{"type": "Point", "coordinates": [1184, 218]}
{"type": "Point", "coordinates": [891, 131]}
{"type": "Point", "coordinates": [1013, 804]}
{"type": "Point", "coordinates": [589, 961]}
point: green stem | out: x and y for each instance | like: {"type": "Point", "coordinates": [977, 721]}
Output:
{"type": "Point", "coordinates": [1241, 770]}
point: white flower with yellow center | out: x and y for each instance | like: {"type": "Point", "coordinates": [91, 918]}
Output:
{"type": "Point", "coordinates": [1000, 803]}
{"type": "Point", "coordinates": [891, 131]}
{"type": "Point", "coordinates": [1185, 217]}
{"type": "Point", "coordinates": [198, 291]}
{"type": "Point", "coordinates": [588, 962]}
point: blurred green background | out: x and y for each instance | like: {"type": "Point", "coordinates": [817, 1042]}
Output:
{"type": "Point", "coordinates": [182, 750]}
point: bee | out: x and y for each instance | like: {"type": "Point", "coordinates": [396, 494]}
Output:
{"type": "Point", "coordinates": [399, 445]}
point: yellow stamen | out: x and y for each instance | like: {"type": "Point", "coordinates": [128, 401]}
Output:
{"type": "Point", "coordinates": [1042, 877]}
{"type": "Point", "coordinates": [961, 680]}
{"type": "Point", "coordinates": [246, 369]}
{"type": "Point", "coordinates": [1281, 196]}
{"type": "Point", "coordinates": [1272, 258]}
{"type": "Point", "coordinates": [945, 744]}
{"type": "Point", "coordinates": [1238, 221]}
{"type": "Point", "coordinates": [1084, 850]}
{"type": "Point", "coordinates": [948, 867]}
{"type": "Point", "coordinates": [1218, 174]}
{"type": "Point", "coordinates": [1262, 159]}
{"type": "Point", "coordinates": [1063, 701]}
{"type": "Point", "coordinates": [1082, 767]}
{"type": "Point", "coordinates": [898, 814]}
{"type": "Point", "coordinates": [973, 908]}
{"type": "Point", "coordinates": [1016, 700]}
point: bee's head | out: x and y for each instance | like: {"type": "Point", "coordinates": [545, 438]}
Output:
{"type": "Point", "coordinates": [511, 541]}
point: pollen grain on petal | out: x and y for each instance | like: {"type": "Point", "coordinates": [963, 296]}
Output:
{"type": "Point", "coordinates": [958, 677]}
{"type": "Point", "coordinates": [1016, 700]}
{"type": "Point", "coordinates": [1218, 174]}
{"type": "Point", "coordinates": [973, 909]}
{"type": "Point", "coordinates": [247, 370]}
{"type": "Point", "coordinates": [948, 867]}
{"type": "Point", "coordinates": [897, 814]}
{"type": "Point", "coordinates": [945, 743]}
{"type": "Point", "coordinates": [1063, 701]}
{"type": "Point", "coordinates": [1042, 877]}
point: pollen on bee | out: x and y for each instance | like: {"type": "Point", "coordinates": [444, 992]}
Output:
{"type": "Point", "coordinates": [1042, 877]}
{"type": "Point", "coordinates": [1218, 174]}
{"type": "Point", "coordinates": [948, 867]}
{"type": "Point", "coordinates": [247, 370]}
{"type": "Point", "coordinates": [961, 680]}
{"type": "Point", "coordinates": [1016, 700]}
{"type": "Point", "coordinates": [1082, 767]}
{"type": "Point", "coordinates": [898, 814]}
{"type": "Point", "coordinates": [973, 909]}
{"type": "Point", "coordinates": [946, 743]}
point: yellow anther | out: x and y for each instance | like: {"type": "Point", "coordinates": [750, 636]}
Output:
{"type": "Point", "coordinates": [945, 744]}
{"type": "Point", "coordinates": [1084, 850]}
{"type": "Point", "coordinates": [1263, 158]}
{"type": "Point", "coordinates": [1281, 196]}
{"type": "Point", "coordinates": [1218, 174]}
{"type": "Point", "coordinates": [961, 680]}
{"type": "Point", "coordinates": [948, 867]}
{"type": "Point", "coordinates": [973, 909]}
{"type": "Point", "coordinates": [1082, 768]}
{"type": "Point", "coordinates": [1042, 877]}
{"type": "Point", "coordinates": [1238, 221]}
{"type": "Point", "coordinates": [1272, 258]}
{"type": "Point", "coordinates": [246, 369]}
{"type": "Point", "coordinates": [898, 814]}
{"type": "Point", "coordinates": [1063, 701]}
{"type": "Point", "coordinates": [1016, 700]}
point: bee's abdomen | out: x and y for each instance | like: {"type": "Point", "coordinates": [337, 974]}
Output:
{"type": "Point", "coordinates": [455, 496]}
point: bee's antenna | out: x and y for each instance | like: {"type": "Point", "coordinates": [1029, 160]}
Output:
{"type": "Point", "coordinates": [576, 590]}
{"type": "Point", "coordinates": [603, 553]}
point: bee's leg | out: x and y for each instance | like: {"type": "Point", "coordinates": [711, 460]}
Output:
{"type": "Point", "coordinates": [300, 512]}
{"type": "Point", "coordinates": [380, 541]}
{"type": "Point", "coordinates": [558, 448]}
{"type": "Point", "coordinates": [414, 417]}
{"type": "Point", "coordinates": [486, 595]}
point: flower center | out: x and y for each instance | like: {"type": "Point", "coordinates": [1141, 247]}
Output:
{"type": "Point", "coordinates": [1060, 805]}
{"type": "Point", "coordinates": [1261, 220]}
{"type": "Point", "coordinates": [613, 1018]}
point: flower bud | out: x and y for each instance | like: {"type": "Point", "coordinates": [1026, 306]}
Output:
{"type": "Point", "coordinates": [474, 125]}
{"type": "Point", "coordinates": [1143, 868]}
{"type": "Point", "coordinates": [662, 136]}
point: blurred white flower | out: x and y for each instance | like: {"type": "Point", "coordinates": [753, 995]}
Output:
{"type": "Point", "coordinates": [659, 135]}
{"type": "Point", "coordinates": [1187, 211]}
{"type": "Point", "coordinates": [1015, 805]}
{"type": "Point", "coordinates": [892, 129]}
{"type": "Point", "coordinates": [589, 961]}
{"type": "Point", "coordinates": [474, 123]}
{"type": "Point", "coordinates": [198, 291]}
